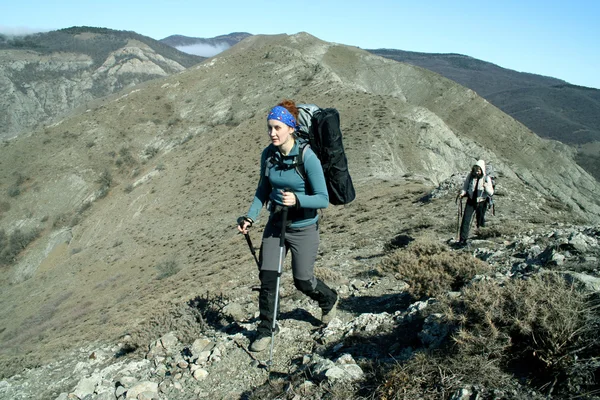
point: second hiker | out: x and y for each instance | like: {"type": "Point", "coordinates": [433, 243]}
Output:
{"type": "Point", "coordinates": [476, 188]}
{"type": "Point", "coordinates": [280, 185]}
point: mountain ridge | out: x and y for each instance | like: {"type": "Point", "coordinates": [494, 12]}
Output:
{"type": "Point", "coordinates": [136, 197]}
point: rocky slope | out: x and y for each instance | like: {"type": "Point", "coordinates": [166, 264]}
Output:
{"type": "Point", "coordinates": [134, 203]}
{"type": "Point", "coordinates": [49, 74]}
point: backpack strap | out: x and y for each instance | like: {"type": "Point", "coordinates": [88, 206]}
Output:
{"type": "Point", "coordinates": [299, 161]}
{"type": "Point", "coordinates": [269, 159]}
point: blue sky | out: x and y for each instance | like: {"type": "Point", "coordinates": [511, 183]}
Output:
{"type": "Point", "coordinates": [554, 38]}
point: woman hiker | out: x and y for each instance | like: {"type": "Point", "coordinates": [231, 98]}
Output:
{"type": "Point", "coordinates": [280, 185]}
{"type": "Point", "coordinates": [477, 188]}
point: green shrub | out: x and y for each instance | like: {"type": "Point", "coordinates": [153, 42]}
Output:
{"type": "Point", "coordinates": [151, 151]}
{"type": "Point", "coordinates": [14, 191]}
{"type": "Point", "coordinates": [12, 245]}
{"type": "Point", "coordinates": [125, 157]}
{"type": "Point", "coordinates": [431, 269]}
{"type": "Point", "coordinates": [166, 269]}
{"type": "Point", "coordinates": [105, 180]}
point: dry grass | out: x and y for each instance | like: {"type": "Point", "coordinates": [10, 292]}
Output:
{"type": "Point", "coordinates": [499, 229]}
{"type": "Point", "coordinates": [434, 376]}
{"type": "Point", "coordinates": [431, 269]}
{"type": "Point", "coordinates": [541, 330]}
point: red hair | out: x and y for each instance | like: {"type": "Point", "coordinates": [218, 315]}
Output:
{"type": "Point", "coordinates": [290, 105]}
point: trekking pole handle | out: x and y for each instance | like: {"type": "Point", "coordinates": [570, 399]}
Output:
{"type": "Point", "coordinates": [241, 221]}
{"type": "Point", "coordinates": [284, 215]}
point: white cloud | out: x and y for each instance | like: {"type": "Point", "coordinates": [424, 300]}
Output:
{"type": "Point", "coordinates": [19, 30]}
{"type": "Point", "coordinates": [204, 50]}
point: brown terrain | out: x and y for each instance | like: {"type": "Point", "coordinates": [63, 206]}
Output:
{"type": "Point", "coordinates": [135, 198]}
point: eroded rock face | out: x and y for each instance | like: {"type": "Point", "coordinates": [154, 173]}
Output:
{"type": "Point", "coordinates": [35, 87]}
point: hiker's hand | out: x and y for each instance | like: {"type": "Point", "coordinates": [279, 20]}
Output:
{"type": "Point", "coordinates": [243, 224]}
{"type": "Point", "coordinates": [288, 198]}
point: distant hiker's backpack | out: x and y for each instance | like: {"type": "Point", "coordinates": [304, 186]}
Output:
{"type": "Point", "coordinates": [319, 128]}
{"type": "Point", "coordinates": [490, 200]}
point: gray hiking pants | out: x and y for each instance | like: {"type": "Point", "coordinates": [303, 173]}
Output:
{"type": "Point", "coordinates": [472, 208]}
{"type": "Point", "coordinates": [302, 242]}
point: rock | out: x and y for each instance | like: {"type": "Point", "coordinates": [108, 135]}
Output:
{"type": "Point", "coordinates": [128, 381]}
{"type": "Point", "coordinates": [148, 396]}
{"type": "Point", "coordinates": [120, 391]}
{"type": "Point", "coordinates": [579, 242]}
{"type": "Point", "coordinates": [142, 387]}
{"type": "Point", "coordinates": [434, 331]}
{"type": "Point", "coordinates": [590, 283]}
{"type": "Point", "coordinates": [198, 347]}
{"type": "Point", "coordinates": [169, 342]}
{"type": "Point", "coordinates": [557, 259]}
{"type": "Point", "coordinates": [202, 357]}
{"type": "Point", "coordinates": [235, 310]}
{"type": "Point", "coordinates": [415, 308]}
{"type": "Point", "coordinates": [344, 373]}
{"type": "Point", "coordinates": [200, 374]}
{"type": "Point", "coordinates": [86, 386]}
{"type": "Point", "coordinates": [103, 396]}
{"type": "Point", "coordinates": [462, 394]}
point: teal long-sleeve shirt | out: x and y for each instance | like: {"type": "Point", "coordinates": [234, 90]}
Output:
{"type": "Point", "coordinates": [311, 194]}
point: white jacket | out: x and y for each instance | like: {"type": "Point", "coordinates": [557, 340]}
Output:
{"type": "Point", "coordinates": [484, 189]}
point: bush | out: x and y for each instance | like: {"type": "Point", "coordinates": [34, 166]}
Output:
{"type": "Point", "coordinates": [504, 229]}
{"type": "Point", "coordinates": [434, 376]}
{"type": "Point", "coordinates": [105, 180]}
{"type": "Point", "coordinates": [125, 157]}
{"type": "Point", "coordinates": [12, 245]}
{"type": "Point", "coordinates": [542, 324]}
{"type": "Point", "coordinates": [166, 269]}
{"type": "Point", "coordinates": [431, 269]}
{"type": "Point", "coordinates": [541, 332]}
{"type": "Point", "coordinates": [151, 151]}
{"type": "Point", "coordinates": [14, 191]}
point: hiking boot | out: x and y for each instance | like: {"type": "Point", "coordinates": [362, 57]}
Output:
{"type": "Point", "coordinates": [460, 244]}
{"type": "Point", "coordinates": [327, 299]}
{"type": "Point", "coordinates": [329, 315]}
{"type": "Point", "coordinates": [262, 341]}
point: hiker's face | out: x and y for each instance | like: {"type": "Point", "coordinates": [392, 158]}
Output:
{"type": "Point", "coordinates": [279, 133]}
{"type": "Point", "coordinates": [477, 171]}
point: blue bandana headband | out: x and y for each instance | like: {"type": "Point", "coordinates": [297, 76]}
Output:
{"type": "Point", "coordinates": [281, 114]}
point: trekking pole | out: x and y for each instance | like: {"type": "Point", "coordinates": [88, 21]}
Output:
{"type": "Point", "coordinates": [284, 213]}
{"type": "Point", "coordinates": [247, 236]}
{"type": "Point", "coordinates": [458, 218]}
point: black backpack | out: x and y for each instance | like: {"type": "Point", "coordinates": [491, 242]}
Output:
{"type": "Point", "coordinates": [319, 129]}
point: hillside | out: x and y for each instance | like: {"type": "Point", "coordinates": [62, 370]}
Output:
{"type": "Point", "coordinates": [130, 208]}
{"type": "Point", "coordinates": [46, 75]}
{"type": "Point", "coordinates": [548, 106]}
